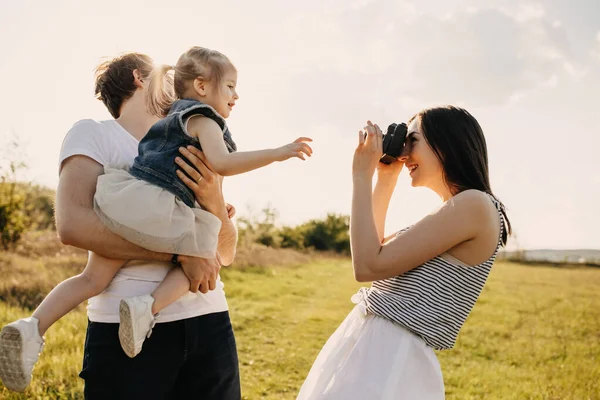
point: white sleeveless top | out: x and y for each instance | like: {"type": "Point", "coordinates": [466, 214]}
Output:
{"type": "Point", "coordinates": [434, 299]}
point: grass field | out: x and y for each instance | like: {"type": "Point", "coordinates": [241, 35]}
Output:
{"type": "Point", "coordinates": [534, 333]}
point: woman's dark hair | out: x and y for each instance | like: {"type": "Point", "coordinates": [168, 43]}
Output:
{"type": "Point", "coordinates": [457, 140]}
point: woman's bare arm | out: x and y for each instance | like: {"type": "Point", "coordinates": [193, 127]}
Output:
{"type": "Point", "coordinates": [458, 220]}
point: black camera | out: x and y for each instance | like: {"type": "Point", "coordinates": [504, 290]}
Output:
{"type": "Point", "coordinates": [393, 142]}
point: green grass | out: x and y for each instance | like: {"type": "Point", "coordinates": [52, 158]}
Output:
{"type": "Point", "coordinates": [534, 334]}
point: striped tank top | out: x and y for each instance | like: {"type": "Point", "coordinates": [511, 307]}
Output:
{"type": "Point", "coordinates": [434, 299]}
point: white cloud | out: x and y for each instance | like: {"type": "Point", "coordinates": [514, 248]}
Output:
{"type": "Point", "coordinates": [396, 59]}
{"type": "Point", "coordinates": [577, 72]}
{"type": "Point", "coordinates": [595, 52]}
{"type": "Point", "coordinates": [529, 12]}
{"type": "Point", "coordinates": [552, 82]}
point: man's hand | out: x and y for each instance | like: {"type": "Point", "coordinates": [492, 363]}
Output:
{"type": "Point", "coordinates": [207, 187]}
{"type": "Point", "coordinates": [205, 182]}
{"type": "Point", "coordinates": [202, 272]}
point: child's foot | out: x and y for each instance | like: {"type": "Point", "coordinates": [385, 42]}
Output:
{"type": "Point", "coordinates": [20, 348]}
{"type": "Point", "coordinates": [136, 324]}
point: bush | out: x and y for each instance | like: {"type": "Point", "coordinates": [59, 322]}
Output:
{"type": "Point", "coordinates": [13, 218]}
{"type": "Point", "coordinates": [39, 205]}
{"type": "Point", "coordinates": [23, 206]}
{"type": "Point", "coordinates": [292, 237]}
{"type": "Point", "coordinates": [330, 234]}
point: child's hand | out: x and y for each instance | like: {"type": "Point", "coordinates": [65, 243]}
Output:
{"type": "Point", "coordinates": [298, 148]}
{"type": "Point", "coordinates": [230, 210]}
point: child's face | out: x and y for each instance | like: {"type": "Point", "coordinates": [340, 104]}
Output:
{"type": "Point", "coordinates": [222, 97]}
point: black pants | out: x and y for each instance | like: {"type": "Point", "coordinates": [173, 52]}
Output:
{"type": "Point", "coordinates": [195, 358]}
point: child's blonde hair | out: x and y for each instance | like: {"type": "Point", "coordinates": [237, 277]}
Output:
{"type": "Point", "coordinates": [198, 62]}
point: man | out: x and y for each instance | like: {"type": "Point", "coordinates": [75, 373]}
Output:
{"type": "Point", "coordinates": [191, 352]}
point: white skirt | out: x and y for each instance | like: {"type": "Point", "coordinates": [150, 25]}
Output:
{"type": "Point", "coordinates": [371, 358]}
{"type": "Point", "coordinates": [152, 217]}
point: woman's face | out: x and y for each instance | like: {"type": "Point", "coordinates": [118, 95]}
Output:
{"type": "Point", "coordinates": [424, 167]}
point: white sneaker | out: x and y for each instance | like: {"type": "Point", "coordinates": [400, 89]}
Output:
{"type": "Point", "coordinates": [136, 324]}
{"type": "Point", "coordinates": [20, 348]}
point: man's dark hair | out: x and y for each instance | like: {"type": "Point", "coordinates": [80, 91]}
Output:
{"type": "Point", "coordinates": [115, 80]}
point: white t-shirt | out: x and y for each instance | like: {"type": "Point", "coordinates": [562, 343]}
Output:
{"type": "Point", "coordinates": [108, 143]}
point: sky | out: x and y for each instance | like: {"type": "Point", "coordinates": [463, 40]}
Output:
{"type": "Point", "coordinates": [528, 71]}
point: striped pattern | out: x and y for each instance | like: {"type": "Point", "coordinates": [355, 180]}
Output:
{"type": "Point", "coordinates": [433, 300]}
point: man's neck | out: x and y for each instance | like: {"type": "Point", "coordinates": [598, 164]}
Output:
{"type": "Point", "coordinates": [135, 117]}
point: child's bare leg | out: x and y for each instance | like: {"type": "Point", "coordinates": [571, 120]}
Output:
{"type": "Point", "coordinates": [175, 285]}
{"type": "Point", "coordinates": [96, 277]}
{"type": "Point", "coordinates": [137, 315]}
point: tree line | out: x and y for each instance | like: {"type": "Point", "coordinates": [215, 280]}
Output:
{"type": "Point", "coordinates": [29, 207]}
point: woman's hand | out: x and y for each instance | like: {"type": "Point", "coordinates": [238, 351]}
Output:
{"type": "Point", "coordinates": [385, 171]}
{"type": "Point", "coordinates": [205, 182]}
{"type": "Point", "coordinates": [368, 152]}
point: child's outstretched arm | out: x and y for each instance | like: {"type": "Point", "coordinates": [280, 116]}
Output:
{"type": "Point", "coordinates": [226, 164]}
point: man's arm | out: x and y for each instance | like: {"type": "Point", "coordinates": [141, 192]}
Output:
{"type": "Point", "coordinates": [227, 243]}
{"type": "Point", "coordinates": [207, 187]}
{"type": "Point", "coordinates": [76, 221]}
{"type": "Point", "coordinates": [227, 239]}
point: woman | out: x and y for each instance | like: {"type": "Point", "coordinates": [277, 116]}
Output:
{"type": "Point", "coordinates": [427, 277]}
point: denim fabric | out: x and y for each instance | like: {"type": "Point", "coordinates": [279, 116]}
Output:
{"type": "Point", "coordinates": [194, 358]}
{"type": "Point", "coordinates": [158, 149]}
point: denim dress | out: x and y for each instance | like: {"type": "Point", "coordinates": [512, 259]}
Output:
{"type": "Point", "coordinates": [147, 204]}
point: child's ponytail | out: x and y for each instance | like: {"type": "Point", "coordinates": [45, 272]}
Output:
{"type": "Point", "coordinates": [161, 95]}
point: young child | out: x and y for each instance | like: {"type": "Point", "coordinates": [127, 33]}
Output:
{"type": "Point", "coordinates": [148, 204]}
